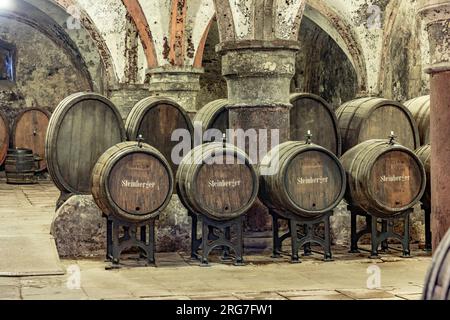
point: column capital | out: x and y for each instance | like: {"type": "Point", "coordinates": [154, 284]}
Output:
{"type": "Point", "coordinates": [436, 15]}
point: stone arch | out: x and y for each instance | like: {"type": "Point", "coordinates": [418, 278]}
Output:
{"type": "Point", "coordinates": [343, 34]}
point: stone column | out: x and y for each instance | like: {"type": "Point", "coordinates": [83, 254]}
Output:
{"type": "Point", "coordinates": [436, 14]}
{"type": "Point", "coordinates": [125, 96]}
{"type": "Point", "coordinates": [258, 75]}
{"type": "Point", "coordinates": [180, 83]}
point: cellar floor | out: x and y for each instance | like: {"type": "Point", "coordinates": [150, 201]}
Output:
{"type": "Point", "coordinates": [176, 277]}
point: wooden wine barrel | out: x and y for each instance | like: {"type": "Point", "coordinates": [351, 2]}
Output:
{"type": "Point", "coordinates": [156, 118]}
{"type": "Point", "coordinates": [214, 115]}
{"type": "Point", "coordinates": [424, 154]}
{"type": "Point", "coordinates": [384, 179]}
{"type": "Point", "coordinates": [375, 118]}
{"type": "Point", "coordinates": [132, 181]}
{"type": "Point", "coordinates": [4, 137]}
{"type": "Point", "coordinates": [20, 166]}
{"type": "Point", "coordinates": [437, 283]}
{"type": "Point", "coordinates": [308, 180]}
{"type": "Point", "coordinates": [217, 181]}
{"type": "Point", "coordinates": [29, 130]}
{"type": "Point", "coordinates": [81, 129]}
{"type": "Point", "coordinates": [312, 113]}
{"type": "Point", "coordinates": [420, 109]}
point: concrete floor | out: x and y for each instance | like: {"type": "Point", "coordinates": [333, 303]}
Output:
{"type": "Point", "coordinates": [176, 277]}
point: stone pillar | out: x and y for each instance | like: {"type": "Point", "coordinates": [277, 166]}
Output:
{"type": "Point", "coordinates": [180, 83]}
{"type": "Point", "coordinates": [258, 75]}
{"type": "Point", "coordinates": [125, 96]}
{"type": "Point", "coordinates": [436, 14]}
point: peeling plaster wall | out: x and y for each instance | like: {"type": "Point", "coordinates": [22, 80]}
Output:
{"type": "Point", "coordinates": [45, 74]}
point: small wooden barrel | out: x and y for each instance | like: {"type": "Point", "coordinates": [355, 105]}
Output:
{"type": "Point", "coordinates": [420, 109]}
{"type": "Point", "coordinates": [132, 181]}
{"type": "Point", "coordinates": [308, 180]}
{"type": "Point", "coordinates": [29, 130]}
{"type": "Point", "coordinates": [20, 167]}
{"type": "Point", "coordinates": [312, 113]}
{"type": "Point", "coordinates": [4, 137]}
{"type": "Point", "coordinates": [214, 115]}
{"type": "Point", "coordinates": [155, 119]}
{"type": "Point", "coordinates": [81, 129]}
{"type": "Point", "coordinates": [424, 154]}
{"type": "Point", "coordinates": [218, 181]}
{"type": "Point", "coordinates": [383, 179]}
{"type": "Point", "coordinates": [437, 283]}
{"type": "Point", "coordinates": [375, 118]}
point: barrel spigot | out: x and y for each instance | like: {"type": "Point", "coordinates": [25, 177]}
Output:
{"type": "Point", "coordinates": [392, 138]}
{"type": "Point", "coordinates": [34, 132]}
{"type": "Point", "coordinates": [140, 140]}
{"type": "Point", "coordinates": [309, 137]}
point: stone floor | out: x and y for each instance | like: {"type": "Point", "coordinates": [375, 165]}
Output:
{"type": "Point", "coordinates": [176, 277]}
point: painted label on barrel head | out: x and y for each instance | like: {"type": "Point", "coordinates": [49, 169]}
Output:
{"type": "Point", "coordinates": [314, 181]}
{"type": "Point", "coordinates": [224, 188]}
{"type": "Point", "coordinates": [395, 180]}
{"type": "Point", "coordinates": [139, 183]}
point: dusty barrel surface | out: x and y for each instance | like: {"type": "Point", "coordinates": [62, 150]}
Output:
{"type": "Point", "coordinates": [420, 109]}
{"type": "Point", "coordinates": [218, 181]}
{"type": "Point", "coordinates": [29, 131]}
{"type": "Point", "coordinates": [132, 181]}
{"type": "Point", "coordinates": [307, 180]}
{"type": "Point", "coordinates": [383, 179]}
{"type": "Point", "coordinates": [437, 283]}
{"type": "Point", "coordinates": [81, 129]}
{"type": "Point", "coordinates": [424, 154]}
{"type": "Point", "coordinates": [156, 119]}
{"type": "Point", "coordinates": [312, 113]}
{"type": "Point", "coordinates": [375, 118]}
{"type": "Point", "coordinates": [4, 137]}
{"type": "Point", "coordinates": [20, 166]}
{"type": "Point", "coordinates": [213, 115]}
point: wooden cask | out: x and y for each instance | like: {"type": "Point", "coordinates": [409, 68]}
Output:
{"type": "Point", "coordinates": [308, 180]}
{"type": "Point", "coordinates": [384, 179]}
{"type": "Point", "coordinates": [312, 113]}
{"type": "Point", "coordinates": [155, 119]}
{"type": "Point", "coordinates": [214, 115]}
{"type": "Point", "coordinates": [81, 129]}
{"type": "Point", "coordinates": [4, 137]}
{"type": "Point", "coordinates": [218, 181]}
{"type": "Point", "coordinates": [420, 109]}
{"type": "Point", "coordinates": [20, 166]}
{"type": "Point", "coordinates": [437, 283]}
{"type": "Point", "coordinates": [424, 154]}
{"type": "Point", "coordinates": [29, 130]}
{"type": "Point", "coordinates": [132, 181]}
{"type": "Point", "coordinates": [375, 118]}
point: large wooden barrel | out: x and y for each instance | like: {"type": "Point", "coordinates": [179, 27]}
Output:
{"type": "Point", "coordinates": [20, 166]}
{"type": "Point", "coordinates": [437, 283]}
{"type": "Point", "coordinates": [155, 119]}
{"type": "Point", "coordinates": [375, 118]}
{"type": "Point", "coordinates": [384, 179]}
{"type": "Point", "coordinates": [81, 129]}
{"type": "Point", "coordinates": [4, 137]}
{"type": "Point", "coordinates": [312, 113]}
{"type": "Point", "coordinates": [217, 180]}
{"type": "Point", "coordinates": [214, 115]}
{"type": "Point", "coordinates": [29, 130]}
{"type": "Point", "coordinates": [424, 154]}
{"type": "Point", "coordinates": [308, 180]}
{"type": "Point", "coordinates": [132, 181]}
{"type": "Point", "coordinates": [420, 109]}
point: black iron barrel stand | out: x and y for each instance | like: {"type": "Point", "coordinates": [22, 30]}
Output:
{"type": "Point", "coordinates": [428, 235]}
{"type": "Point", "coordinates": [135, 235]}
{"type": "Point", "coordinates": [379, 237]}
{"type": "Point", "coordinates": [302, 233]}
{"type": "Point", "coordinates": [217, 234]}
